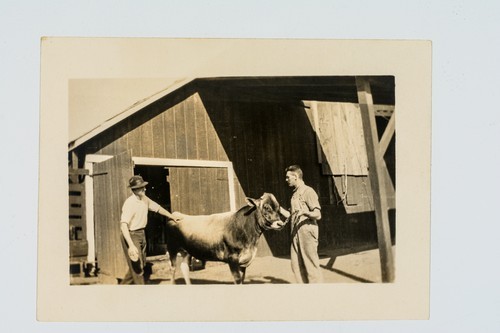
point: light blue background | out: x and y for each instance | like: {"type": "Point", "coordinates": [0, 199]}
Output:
{"type": "Point", "coordinates": [465, 276]}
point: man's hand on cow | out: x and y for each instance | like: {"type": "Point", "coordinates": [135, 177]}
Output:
{"type": "Point", "coordinates": [176, 216]}
{"type": "Point", "coordinates": [284, 212]}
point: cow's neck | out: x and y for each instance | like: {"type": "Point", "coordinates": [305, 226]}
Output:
{"type": "Point", "coordinates": [259, 222]}
{"type": "Point", "coordinates": [253, 222]}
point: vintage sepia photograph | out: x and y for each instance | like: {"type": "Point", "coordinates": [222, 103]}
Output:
{"type": "Point", "coordinates": [191, 174]}
{"type": "Point", "coordinates": [218, 180]}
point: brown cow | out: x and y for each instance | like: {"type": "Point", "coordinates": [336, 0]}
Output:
{"type": "Point", "coordinates": [229, 237]}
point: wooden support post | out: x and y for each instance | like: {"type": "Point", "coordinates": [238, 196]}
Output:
{"type": "Point", "coordinates": [387, 136]}
{"type": "Point", "coordinates": [383, 144]}
{"type": "Point", "coordinates": [376, 178]}
{"type": "Point", "coordinates": [73, 177]}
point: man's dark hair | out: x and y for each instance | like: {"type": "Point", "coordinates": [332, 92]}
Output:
{"type": "Point", "coordinates": [295, 168]}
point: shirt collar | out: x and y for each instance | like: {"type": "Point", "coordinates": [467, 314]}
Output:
{"type": "Point", "coordinates": [299, 188]}
{"type": "Point", "coordinates": [136, 198]}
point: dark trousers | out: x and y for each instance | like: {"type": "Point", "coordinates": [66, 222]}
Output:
{"type": "Point", "coordinates": [135, 274]}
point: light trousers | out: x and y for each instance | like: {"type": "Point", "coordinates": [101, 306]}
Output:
{"type": "Point", "coordinates": [304, 253]}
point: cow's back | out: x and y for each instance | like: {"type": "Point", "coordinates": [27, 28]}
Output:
{"type": "Point", "coordinates": [202, 233]}
{"type": "Point", "coordinates": [203, 223]}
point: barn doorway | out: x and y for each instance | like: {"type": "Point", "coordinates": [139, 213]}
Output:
{"type": "Point", "coordinates": [158, 190]}
{"type": "Point", "coordinates": [187, 186]}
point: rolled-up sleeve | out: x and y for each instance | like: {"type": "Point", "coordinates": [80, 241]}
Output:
{"type": "Point", "coordinates": [127, 212]}
{"type": "Point", "coordinates": [153, 206]}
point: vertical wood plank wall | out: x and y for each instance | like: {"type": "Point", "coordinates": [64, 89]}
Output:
{"type": "Point", "coordinates": [109, 194]}
{"type": "Point", "coordinates": [208, 192]}
{"type": "Point", "coordinates": [260, 138]}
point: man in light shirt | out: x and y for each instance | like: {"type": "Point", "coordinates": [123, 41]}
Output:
{"type": "Point", "coordinates": [305, 213]}
{"type": "Point", "coordinates": [133, 222]}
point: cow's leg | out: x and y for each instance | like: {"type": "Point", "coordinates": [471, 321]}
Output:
{"type": "Point", "coordinates": [235, 270]}
{"type": "Point", "coordinates": [243, 270]}
{"type": "Point", "coordinates": [185, 266]}
{"type": "Point", "coordinates": [173, 265]}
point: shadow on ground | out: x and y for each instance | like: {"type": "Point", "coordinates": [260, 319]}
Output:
{"type": "Point", "coordinates": [360, 264]}
{"type": "Point", "coordinates": [202, 281]}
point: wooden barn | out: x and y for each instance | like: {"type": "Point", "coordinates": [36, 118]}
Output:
{"type": "Point", "coordinates": [205, 144]}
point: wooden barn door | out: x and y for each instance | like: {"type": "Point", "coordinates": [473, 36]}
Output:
{"type": "Point", "coordinates": [343, 155]}
{"type": "Point", "coordinates": [110, 192]}
{"type": "Point", "coordinates": [199, 190]}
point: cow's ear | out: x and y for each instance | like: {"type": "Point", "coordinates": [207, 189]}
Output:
{"type": "Point", "coordinates": [251, 202]}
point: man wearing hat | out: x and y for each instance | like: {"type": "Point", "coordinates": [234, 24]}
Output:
{"type": "Point", "coordinates": [133, 220]}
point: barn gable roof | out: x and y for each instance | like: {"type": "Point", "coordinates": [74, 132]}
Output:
{"type": "Point", "coordinates": [140, 104]}
{"type": "Point", "coordinates": [322, 88]}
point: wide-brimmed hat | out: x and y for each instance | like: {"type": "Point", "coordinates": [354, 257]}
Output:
{"type": "Point", "coordinates": [136, 182]}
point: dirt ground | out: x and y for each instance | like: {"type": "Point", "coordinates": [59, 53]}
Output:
{"type": "Point", "coordinates": [360, 267]}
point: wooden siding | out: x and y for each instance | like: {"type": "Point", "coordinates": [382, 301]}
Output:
{"type": "Point", "coordinates": [110, 192]}
{"type": "Point", "coordinates": [260, 138]}
{"type": "Point", "coordinates": [340, 136]}
{"type": "Point", "coordinates": [183, 131]}
{"type": "Point", "coordinates": [207, 190]}
{"type": "Point", "coordinates": [356, 193]}
{"type": "Point", "coordinates": [342, 154]}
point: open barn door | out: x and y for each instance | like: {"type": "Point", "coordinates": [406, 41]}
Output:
{"type": "Point", "coordinates": [342, 153]}
{"type": "Point", "coordinates": [110, 192]}
{"type": "Point", "coordinates": [199, 190]}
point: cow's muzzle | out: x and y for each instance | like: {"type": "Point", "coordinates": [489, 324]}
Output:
{"type": "Point", "coordinates": [275, 225]}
